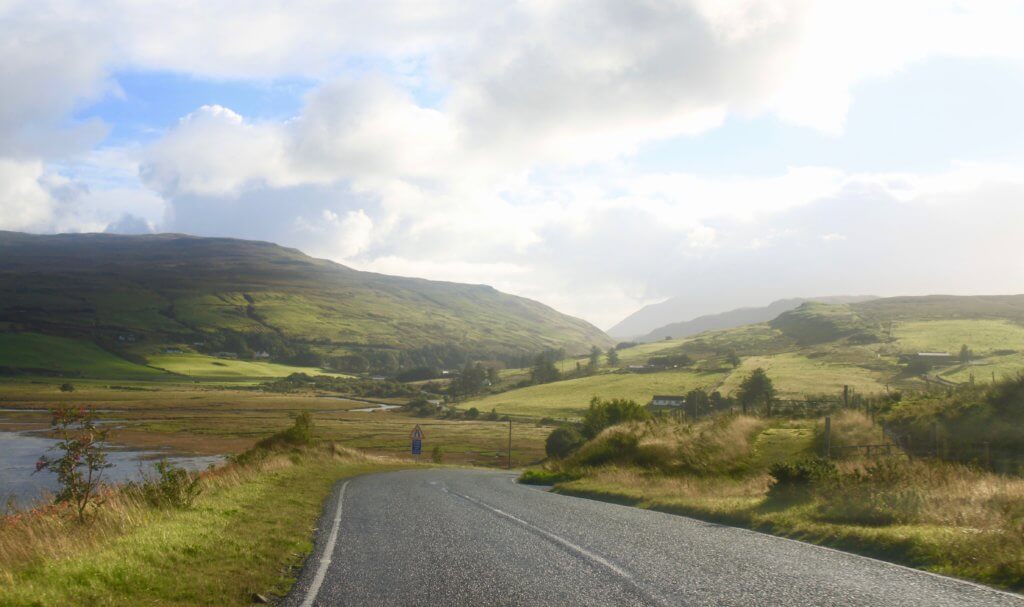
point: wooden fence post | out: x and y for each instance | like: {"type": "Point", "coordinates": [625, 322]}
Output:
{"type": "Point", "coordinates": [828, 437]}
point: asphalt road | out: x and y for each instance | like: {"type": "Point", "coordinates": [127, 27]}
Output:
{"type": "Point", "coordinates": [460, 537]}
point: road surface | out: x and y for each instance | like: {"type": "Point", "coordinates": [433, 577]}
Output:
{"type": "Point", "coordinates": [465, 537]}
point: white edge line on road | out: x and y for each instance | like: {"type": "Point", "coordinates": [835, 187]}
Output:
{"type": "Point", "coordinates": [854, 555]}
{"type": "Point", "coordinates": [551, 536]}
{"type": "Point", "coordinates": [325, 558]}
{"type": "Point", "coordinates": [568, 545]}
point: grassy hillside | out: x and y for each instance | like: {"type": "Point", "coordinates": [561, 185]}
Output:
{"type": "Point", "coordinates": [199, 366]}
{"type": "Point", "coordinates": [45, 354]}
{"type": "Point", "coordinates": [170, 289]}
{"type": "Point", "coordinates": [814, 349]}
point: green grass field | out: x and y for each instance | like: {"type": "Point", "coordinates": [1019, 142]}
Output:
{"type": "Point", "coordinates": [570, 398]}
{"type": "Point", "coordinates": [795, 375]}
{"type": "Point", "coordinates": [200, 366]}
{"type": "Point", "coordinates": [980, 335]}
{"type": "Point", "coordinates": [62, 355]}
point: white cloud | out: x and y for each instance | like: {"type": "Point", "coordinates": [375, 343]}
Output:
{"type": "Point", "coordinates": [25, 204]}
{"type": "Point", "coordinates": [491, 141]}
{"type": "Point", "coordinates": [213, 151]}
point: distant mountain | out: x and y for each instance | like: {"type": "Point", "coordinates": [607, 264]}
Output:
{"type": "Point", "coordinates": [741, 316]}
{"type": "Point", "coordinates": [177, 289]}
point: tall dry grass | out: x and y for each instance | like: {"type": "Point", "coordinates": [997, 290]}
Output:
{"type": "Point", "coordinates": [852, 428]}
{"type": "Point", "coordinates": [51, 532]}
{"type": "Point", "coordinates": [721, 445]}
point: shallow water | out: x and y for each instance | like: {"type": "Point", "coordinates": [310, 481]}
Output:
{"type": "Point", "coordinates": [19, 452]}
{"type": "Point", "coordinates": [378, 407]}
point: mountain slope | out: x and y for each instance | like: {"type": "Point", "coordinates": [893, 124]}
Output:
{"type": "Point", "coordinates": [740, 317]}
{"type": "Point", "coordinates": [170, 288]}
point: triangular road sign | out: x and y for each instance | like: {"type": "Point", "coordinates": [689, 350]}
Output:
{"type": "Point", "coordinates": [417, 433]}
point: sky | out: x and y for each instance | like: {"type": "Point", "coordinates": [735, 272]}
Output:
{"type": "Point", "coordinates": [594, 155]}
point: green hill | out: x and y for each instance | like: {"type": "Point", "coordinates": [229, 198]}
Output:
{"type": "Point", "coordinates": [815, 349]}
{"type": "Point", "coordinates": [134, 294]}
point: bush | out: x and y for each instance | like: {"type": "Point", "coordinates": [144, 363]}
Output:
{"type": "Point", "coordinates": [299, 435]}
{"type": "Point", "coordinates": [175, 487]}
{"type": "Point", "coordinates": [792, 479]}
{"type": "Point", "coordinates": [607, 413]}
{"type": "Point", "coordinates": [615, 446]}
{"type": "Point", "coordinates": [472, 413]}
{"type": "Point", "coordinates": [437, 455]}
{"type": "Point", "coordinates": [562, 442]}
{"type": "Point", "coordinates": [67, 387]}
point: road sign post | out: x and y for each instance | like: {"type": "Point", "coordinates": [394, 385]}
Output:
{"type": "Point", "coordinates": [417, 440]}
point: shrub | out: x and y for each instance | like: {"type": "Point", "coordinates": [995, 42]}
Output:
{"type": "Point", "coordinates": [606, 413]}
{"type": "Point", "coordinates": [300, 434]}
{"type": "Point", "coordinates": [562, 442]}
{"type": "Point", "coordinates": [174, 488]}
{"type": "Point", "coordinates": [617, 445]}
{"type": "Point", "coordinates": [67, 387]}
{"type": "Point", "coordinates": [437, 455]}
{"type": "Point", "coordinates": [472, 413]}
{"type": "Point", "coordinates": [793, 479]}
{"type": "Point", "coordinates": [82, 460]}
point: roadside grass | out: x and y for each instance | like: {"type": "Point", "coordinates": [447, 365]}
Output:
{"type": "Point", "coordinates": [969, 525]}
{"type": "Point", "coordinates": [32, 351]}
{"type": "Point", "coordinates": [569, 399]}
{"type": "Point", "coordinates": [246, 534]}
{"type": "Point", "coordinates": [946, 518]}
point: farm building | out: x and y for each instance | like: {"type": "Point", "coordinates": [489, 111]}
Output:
{"type": "Point", "coordinates": [674, 402]}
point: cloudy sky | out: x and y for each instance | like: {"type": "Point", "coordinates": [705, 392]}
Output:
{"type": "Point", "coordinates": [595, 155]}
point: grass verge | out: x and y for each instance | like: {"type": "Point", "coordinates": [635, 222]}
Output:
{"type": "Point", "coordinates": [247, 533]}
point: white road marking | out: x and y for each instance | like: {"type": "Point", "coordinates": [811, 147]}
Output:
{"type": "Point", "coordinates": [325, 558]}
{"type": "Point", "coordinates": [551, 536]}
{"type": "Point", "coordinates": [561, 541]}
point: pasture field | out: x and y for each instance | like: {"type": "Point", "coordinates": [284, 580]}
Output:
{"type": "Point", "coordinates": [35, 352]}
{"type": "Point", "coordinates": [569, 398]}
{"type": "Point", "coordinates": [985, 369]}
{"type": "Point", "coordinates": [795, 375]}
{"type": "Point", "coordinates": [981, 335]}
{"type": "Point", "coordinates": [211, 368]}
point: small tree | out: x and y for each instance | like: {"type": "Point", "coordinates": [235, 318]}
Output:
{"type": "Point", "coordinates": [732, 359]}
{"type": "Point", "coordinates": [82, 460]}
{"type": "Point", "coordinates": [605, 413]}
{"type": "Point", "coordinates": [472, 413]}
{"type": "Point", "coordinates": [544, 370]}
{"type": "Point", "coordinates": [561, 442]}
{"type": "Point", "coordinates": [757, 389]}
{"type": "Point", "coordinates": [613, 357]}
{"type": "Point", "coordinates": [595, 358]}
{"type": "Point", "coordinates": [965, 354]}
